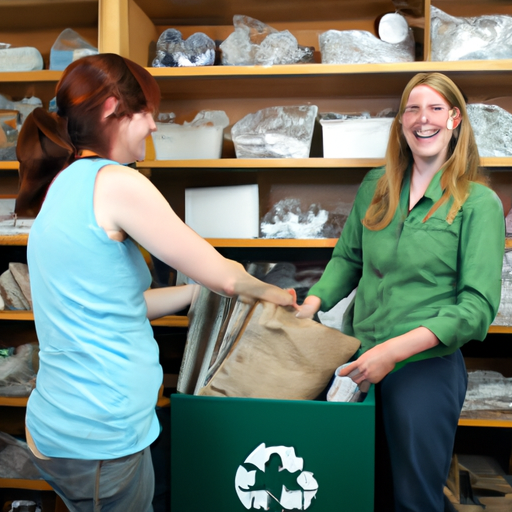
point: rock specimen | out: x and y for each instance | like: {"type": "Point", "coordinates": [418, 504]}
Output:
{"type": "Point", "coordinates": [476, 38]}
{"type": "Point", "coordinates": [275, 132]}
{"type": "Point", "coordinates": [173, 51]}
{"type": "Point", "coordinates": [362, 47]}
{"type": "Point", "coordinates": [492, 126]}
{"type": "Point", "coordinates": [255, 43]}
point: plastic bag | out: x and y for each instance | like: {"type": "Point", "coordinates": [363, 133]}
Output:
{"type": "Point", "coordinates": [15, 461]}
{"type": "Point", "coordinates": [68, 47]}
{"type": "Point", "coordinates": [17, 375]}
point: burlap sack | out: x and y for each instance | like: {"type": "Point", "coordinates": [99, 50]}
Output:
{"type": "Point", "coordinates": [278, 355]}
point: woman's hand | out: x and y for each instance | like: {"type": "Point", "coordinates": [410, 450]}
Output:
{"type": "Point", "coordinates": [380, 360]}
{"type": "Point", "coordinates": [372, 366]}
{"type": "Point", "coordinates": [309, 307]}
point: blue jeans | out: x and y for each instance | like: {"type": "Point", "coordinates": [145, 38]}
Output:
{"type": "Point", "coordinates": [118, 485]}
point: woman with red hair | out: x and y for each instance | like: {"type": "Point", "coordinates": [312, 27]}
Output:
{"type": "Point", "coordinates": [91, 417]}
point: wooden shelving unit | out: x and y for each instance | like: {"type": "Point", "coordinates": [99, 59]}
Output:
{"type": "Point", "coordinates": [131, 27]}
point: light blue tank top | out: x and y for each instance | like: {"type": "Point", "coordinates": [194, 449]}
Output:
{"type": "Point", "coordinates": [99, 373]}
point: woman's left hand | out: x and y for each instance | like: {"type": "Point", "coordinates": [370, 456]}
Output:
{"type": "Point", "coordinates": [372, 366]}
{"type": "Point", "coordinates": [380, 360]}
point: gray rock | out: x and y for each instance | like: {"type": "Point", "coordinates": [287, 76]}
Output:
{"type": "Point", "coordinates": [255, 43]}
{"type": "Point", "coordinates": [275, 132]}
{"type": "Point", "coordinates": [492, 126]}
{"type": "Point", "coordinates": [173, 51]}
{"type": "Point", "coordinates": [362, 47]}
{"type": "Point", "coordinates": [475, 38]}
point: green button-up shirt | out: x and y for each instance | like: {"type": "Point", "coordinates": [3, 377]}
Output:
{"type": "Point", "coordinates": [445, 277]}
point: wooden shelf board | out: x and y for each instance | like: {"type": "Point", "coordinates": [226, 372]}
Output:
{"type": "Point", "coordinates": [22, 483]}
{"type": "Point", "coordinates": [501, 329]}
{"type": "Point", "coordinates": [16, 315]}
{"type": "Point", "coordinates": [265, 163]}
{"type": "Point", "coordinates": [470, 422]}
{"type": "Point", "coordinates": [170, 321]}
{"type": "Point", "coordinates": [290, 163]}
{"type": "Point", "coordinates": [44, 75]}
{"type": "Point", "coordinates": [6, 165]}
{"type": "Point", "coordinates": [13, 239]}
{"type": "Point", "coordinates": [13, 401]}
{"type": "Point", "coordinates": [486, 66]}
{"type": "Point", "coordinates": [272, 242]}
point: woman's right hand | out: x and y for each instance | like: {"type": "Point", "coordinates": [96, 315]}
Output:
{"type": "Point", "coordinates": [309, 307]}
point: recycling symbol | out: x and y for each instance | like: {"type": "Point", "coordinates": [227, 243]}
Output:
{"type": "Point", "coordinates": [256, 490]}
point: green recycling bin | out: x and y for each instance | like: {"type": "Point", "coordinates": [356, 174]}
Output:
{"type": "Point", "coordinates": [237, 454]}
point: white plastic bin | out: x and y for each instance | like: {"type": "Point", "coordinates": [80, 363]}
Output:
{"type": "Point", "coordinates": [355, 138]}
{"type": "Point", "coordinates": [182, 142]}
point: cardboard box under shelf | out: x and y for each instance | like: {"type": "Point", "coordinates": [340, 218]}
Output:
{"type": "Point", "coordinates": [213, 440]}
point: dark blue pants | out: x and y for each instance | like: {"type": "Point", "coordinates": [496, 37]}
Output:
{"type": "Point", "coordinates": [418, 407]}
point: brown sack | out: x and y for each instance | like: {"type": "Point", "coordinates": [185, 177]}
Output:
{"type": "Point", "coordinates": [278, 355]}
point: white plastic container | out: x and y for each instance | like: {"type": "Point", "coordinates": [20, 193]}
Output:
{"type": "Point", "coordinates": [182, 142]}
{"type": "Point", "coordinates": [355, 138]}
{"type": "Point", "coordinates": [223, 212]}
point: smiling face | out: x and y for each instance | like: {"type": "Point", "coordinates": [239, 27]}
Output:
{"type": "Point", "coordinates": [129, 141]}
{"type": "Point", "coordinates": [425, 122]}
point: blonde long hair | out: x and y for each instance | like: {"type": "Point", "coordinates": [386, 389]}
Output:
{"type": "Point", "coordinates": [461, 168]}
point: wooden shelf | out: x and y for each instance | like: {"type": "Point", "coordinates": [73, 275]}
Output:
{"type": "Point", "coordinates": [501, 329]}
{"type": "Point", "coordinates": [13, 239]}
{"type": "Point", "coordinates": [287, 163]}
{"type": "Point", "coordinates": [167, 321]}
{"type": "Point", "coordinates": [21, 483]}
{"type": "Point", "coordinates": [13, 401]}
{"type": "Point", "coordinates": [170, 321]}
{"type": "Point", "coordinates": [315, 69]}
{"type": "Point", "coordinates": [261, 243]}
{"type": "Point", "coordinates": [6, 165]}
{"type": "Point", "coordinates": [467, 422]}
{"type": "Point", "coordinates": [44, 75]}
{"type": "Point", "coordinates": [265, 163]}
{"type": "Point", "coordinates": [16, 315]}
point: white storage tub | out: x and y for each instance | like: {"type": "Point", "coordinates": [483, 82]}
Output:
{"type": "Point", "coordinates": [182, 142]}
{"type": "Point", "coordinates": [355, 138]}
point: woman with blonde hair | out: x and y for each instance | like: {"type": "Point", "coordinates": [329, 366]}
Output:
{"type": "Point", "coordinates": [91, 418]}
{"type": "Point", "coordinates": [424, 246]}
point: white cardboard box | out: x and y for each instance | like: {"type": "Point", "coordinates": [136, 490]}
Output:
{"type": "Point", "coordinates": [223, 212]}
{"type": "Point", "coordinates": [355, 138]}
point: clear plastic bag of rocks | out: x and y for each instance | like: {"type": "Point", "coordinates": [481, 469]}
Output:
{"type": "Point", "coordinates": [9, 123]}
{"type": "Point", "coordinates": [173, 51]}
{"type": "Point", "coordinates": [275, 132]}
{"type": "Point", "coordinates": [488, 390]}
{"type": "Point", "coordinates": [394, 44]}
{"type": "Point", "coordinates": [68, 47]}
{"type": "Point", "coordinates": [289, 219]}
{"type": "Point", "coordinates": [24, 106]}
{"type": "Point", "coordinates": [504, 315]}
{"type": "Point", "coordinates": [492, 126]}
{"type": "Point", "coordinates": [17, 372]}
{"type": "Point", "coordinates": [24, 506]}
{"type": "Point", "coordinates": [15, 461]}
{"type": "Point", "coordinates": [473, 38]}
{"type": "Point", "coordinates": [256, 43]}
